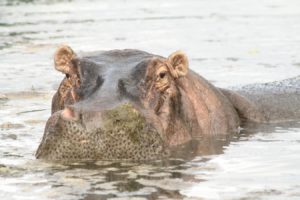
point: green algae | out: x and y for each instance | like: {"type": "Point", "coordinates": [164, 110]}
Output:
{"type": "Point", "coordinates": [124, 119]}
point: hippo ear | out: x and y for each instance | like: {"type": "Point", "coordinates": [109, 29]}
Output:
{"type": "Point", "coordinates": [64, 60]}
{"type": "Point", "coordinates": [179, 64]}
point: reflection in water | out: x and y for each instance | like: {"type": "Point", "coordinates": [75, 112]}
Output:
{"type": "Point", "coordinates": [202, 147]}
{"type": "Point", "coordinates": [262, 163]}
{"type": "Point", "coordinates": [229, 42]}
{"type": "Point", "coordinates": [170, 179]}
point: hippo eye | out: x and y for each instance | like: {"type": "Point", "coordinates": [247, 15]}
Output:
{"type": "Point", "coordinates": [162, 75]}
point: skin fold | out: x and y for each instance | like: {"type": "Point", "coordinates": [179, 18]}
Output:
{"type": "Point", "coordinates": [130, 104]}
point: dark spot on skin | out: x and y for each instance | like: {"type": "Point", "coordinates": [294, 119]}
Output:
{"type": "Point", "coordinates": [90, 81]}
{"type": "Point", "coordinates": [162, 75]}
{"type": "Point", "coordinates": [124, 93]}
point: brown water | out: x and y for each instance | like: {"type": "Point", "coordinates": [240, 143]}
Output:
{"type": "Point", "coordinates": [229, 42]}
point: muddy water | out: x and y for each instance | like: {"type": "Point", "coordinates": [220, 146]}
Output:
{"type": "Point", "coordinates": [229, 42]}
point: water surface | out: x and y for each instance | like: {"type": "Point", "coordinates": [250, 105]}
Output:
{"type": "Point", "coordinates": [230, 43]}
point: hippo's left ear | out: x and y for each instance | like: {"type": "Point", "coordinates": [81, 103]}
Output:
{"type": "Point", "coordinates": [179, 64]}
{"type": "Point", "coordinates": [64, 58]}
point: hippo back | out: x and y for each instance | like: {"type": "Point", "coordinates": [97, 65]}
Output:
{"type": "Point", "coordinates": [277, 101]}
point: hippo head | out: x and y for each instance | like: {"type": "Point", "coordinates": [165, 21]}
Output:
{"type": "Point", "coordinates": [125, 100]}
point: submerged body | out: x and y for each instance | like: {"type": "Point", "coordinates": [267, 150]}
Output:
{"type": "Point", "coordinates": [129, 104]}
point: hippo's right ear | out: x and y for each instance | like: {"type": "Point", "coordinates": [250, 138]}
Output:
{"type": "Point", "coordinates": [179, 64]}
{"type": "Point", "coordinates": [64, 60]}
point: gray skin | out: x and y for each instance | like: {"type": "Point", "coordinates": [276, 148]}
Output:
{"type": "Point", "coordinates": [130, 104]}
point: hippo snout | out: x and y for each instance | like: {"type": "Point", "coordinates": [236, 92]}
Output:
{"type": "Point", "coordinates": [118, 133]}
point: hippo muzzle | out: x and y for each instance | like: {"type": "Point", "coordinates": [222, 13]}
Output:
{"type": "Point", "coordinates": [121, 133]}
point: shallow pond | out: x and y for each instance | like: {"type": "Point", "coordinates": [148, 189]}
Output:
{"type": "Point", "coordinates": [230, 43]}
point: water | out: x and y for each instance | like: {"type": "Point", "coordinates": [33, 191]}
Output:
{"type": "Point", "coordinates": [229, 42]}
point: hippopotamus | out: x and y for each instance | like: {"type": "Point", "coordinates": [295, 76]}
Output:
{"type": "Point", "coordinates": [133, 105]}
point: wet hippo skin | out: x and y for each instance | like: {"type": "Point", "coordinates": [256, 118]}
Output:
{"type": "Point", "coordinates": [130, 104]}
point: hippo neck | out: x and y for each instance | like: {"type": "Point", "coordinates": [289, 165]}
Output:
{"type": "Point", "coordinates": [206, 105]}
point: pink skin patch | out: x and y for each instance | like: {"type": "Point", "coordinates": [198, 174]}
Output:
{"type": "Point", "coordinates": [69, 114]}
{"type": "Point", "coordinates": [74, 95]}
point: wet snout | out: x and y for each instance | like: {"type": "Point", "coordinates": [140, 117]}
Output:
{"type": "Point", "coordinates": [90, 120]}
{"type": "Point", "coordinates": [122, 117]}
